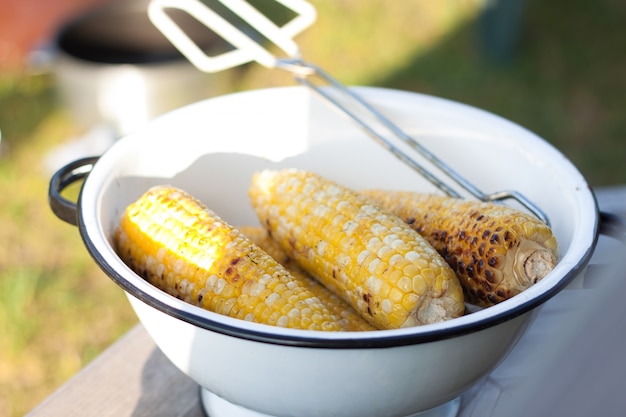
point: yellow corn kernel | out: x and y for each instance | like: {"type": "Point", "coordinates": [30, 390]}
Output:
{"type": "Point", "coordinates": [300, 210]}
{"type": "Point", "coordinates": [183, 248]}
{"type": "Point", "coordinates": [495, 250]}
{"type": "Point", "coordinates": [345, 315]}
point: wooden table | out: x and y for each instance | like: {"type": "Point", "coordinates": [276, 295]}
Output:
{"type": "Point", "coordinates": [133, 378]}
{"type": "Point", "coordinates": [130, 378]}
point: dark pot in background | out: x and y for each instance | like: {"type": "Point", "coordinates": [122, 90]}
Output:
{"type": "Point", "coordinates": [114, 67]}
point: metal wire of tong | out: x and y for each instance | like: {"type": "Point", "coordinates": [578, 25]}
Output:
{"type": "Point", "coordinates": [247, 49]}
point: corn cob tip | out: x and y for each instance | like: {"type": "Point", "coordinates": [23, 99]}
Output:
{"type": "Point", "coordinates": [538, 264]}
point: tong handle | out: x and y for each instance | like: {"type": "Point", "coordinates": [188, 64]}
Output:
{"type": "Point", "coordinates": [245, 49]}
{"type": "Point", "coordinates": [248, 49]}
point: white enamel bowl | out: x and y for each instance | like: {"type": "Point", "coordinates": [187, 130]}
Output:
{"type": "Point", "coordinates": [211, 149]}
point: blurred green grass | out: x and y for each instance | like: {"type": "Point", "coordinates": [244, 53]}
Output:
{"type": "Point", "coordinates": [57, 310]}
{"type": "Point", "coordinates": [565, 81]}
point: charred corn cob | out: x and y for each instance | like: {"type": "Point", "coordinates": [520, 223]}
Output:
{"type": "Point", "coordinates": [182, 247]}
{"type": "Point", "coordinates": [349, 319]}
{"type": "Point", "coordinates": [371, 258]}
{"type": "Point", "coordinates": [496, 251]}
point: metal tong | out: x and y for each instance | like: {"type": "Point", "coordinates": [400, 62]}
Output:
{"type": "Point", "coordinates": [247, 49]}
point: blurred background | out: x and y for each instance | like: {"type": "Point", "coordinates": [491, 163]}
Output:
{"type": "Point", "coordinates": [557, 68]}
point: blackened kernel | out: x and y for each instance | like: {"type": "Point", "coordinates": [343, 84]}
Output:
{"type": "Point", "coordinates": [489, 275]}
{"type": "Point", "coordinates": [480, 265]}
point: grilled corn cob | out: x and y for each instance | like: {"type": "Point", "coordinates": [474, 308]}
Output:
{"type": "Point", "coordinates": [371, 258]}
{"type": "Point", "coordinates": [496, 251]}
{"type": "Point", "coordinates": [182, 247]}
{"type": "Point", "coordinates": [349, 319]}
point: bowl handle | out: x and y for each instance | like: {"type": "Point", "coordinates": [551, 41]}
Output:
{"type": "Point", "coordinates": [63, 208]}
{"type": "Point", "coordinates": [613, 225]}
